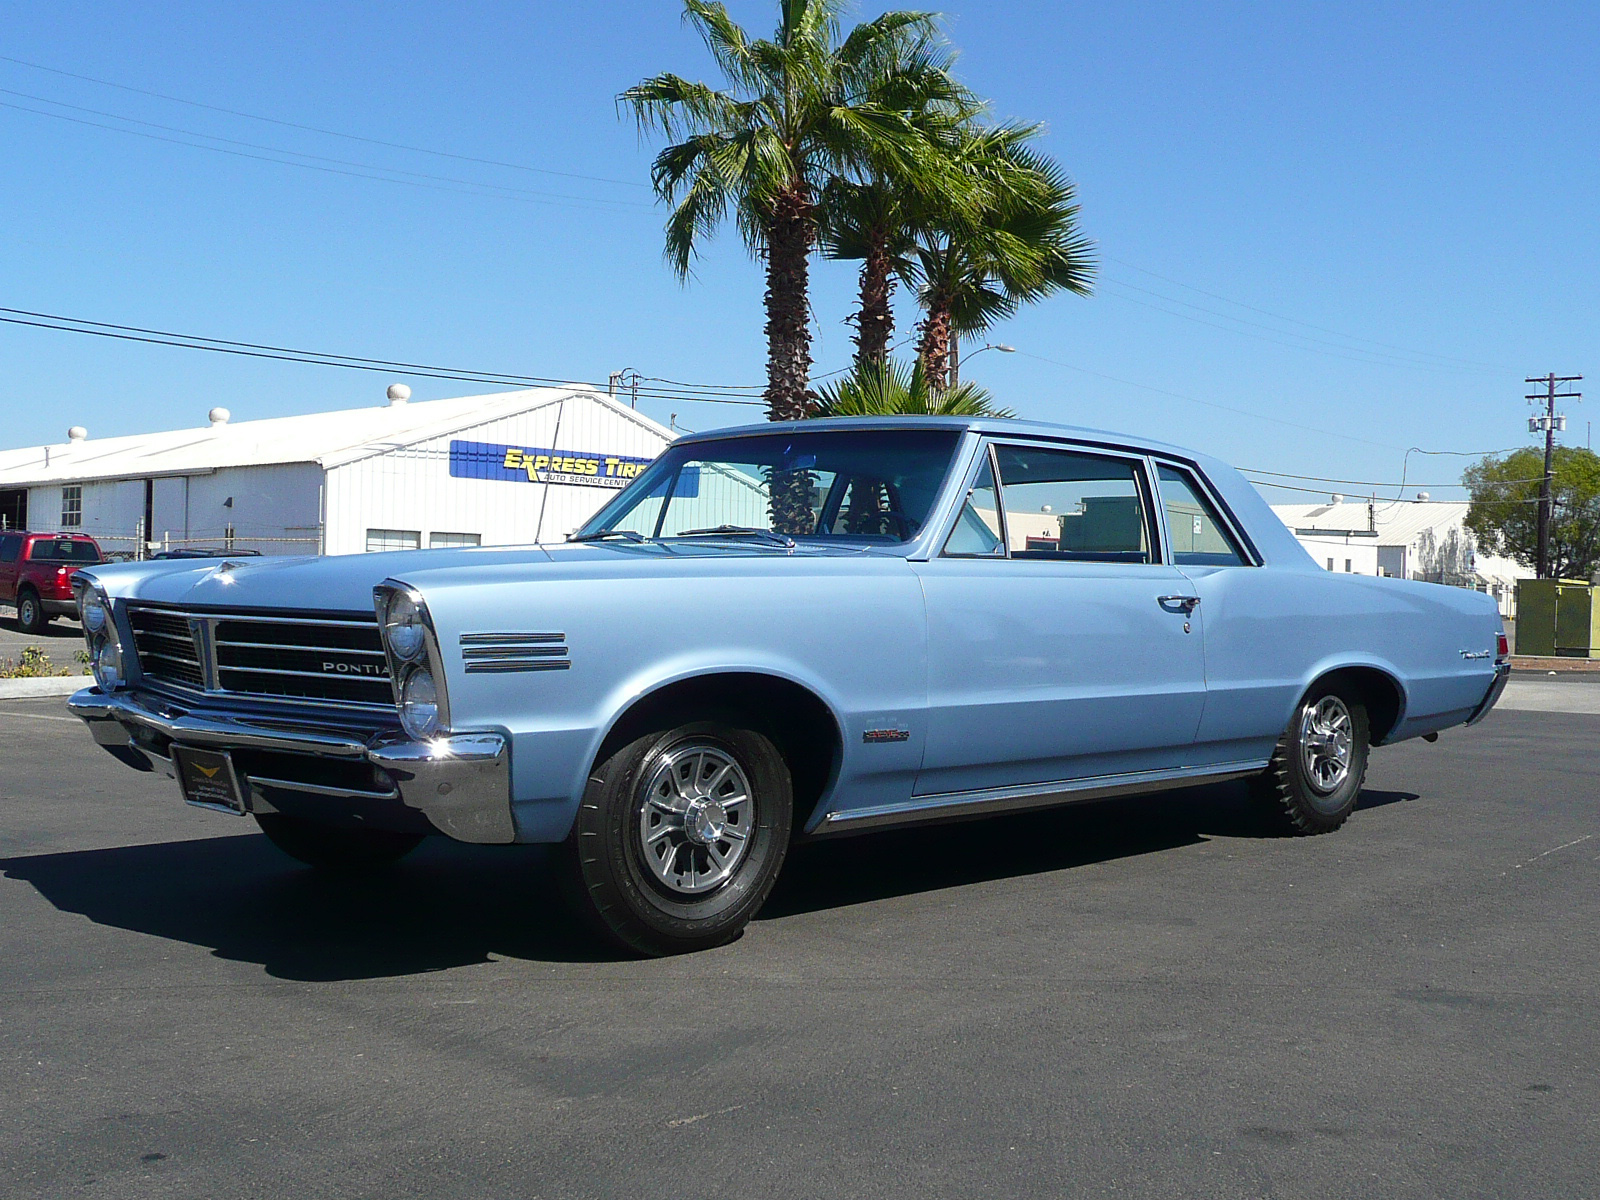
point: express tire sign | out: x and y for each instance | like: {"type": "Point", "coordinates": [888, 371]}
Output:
{"type": "Point", "coordinates": [535, 464]}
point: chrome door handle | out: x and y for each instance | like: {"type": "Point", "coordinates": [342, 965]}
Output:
{"type": "Point", "coordinates": [1187, 603]}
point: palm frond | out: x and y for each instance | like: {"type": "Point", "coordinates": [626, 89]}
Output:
{"type": "Point", "coordinates": [891, 388]}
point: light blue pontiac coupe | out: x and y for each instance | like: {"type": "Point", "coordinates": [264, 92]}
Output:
{"type": "Point", "coordinates": [784, 631]}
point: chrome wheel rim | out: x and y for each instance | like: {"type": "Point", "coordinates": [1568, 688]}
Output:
{"type": "Point", "coordinates": [696, 819]}
{"type": "Point", "coordinates": [25, 614]}
{"type": "Point", "coordinates": [1327, 737]}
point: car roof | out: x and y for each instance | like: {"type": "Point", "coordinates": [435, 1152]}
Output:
{"type": "Point", "coordinates": [1002, 426]}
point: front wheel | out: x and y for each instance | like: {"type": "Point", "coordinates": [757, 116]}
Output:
{"type": "Point", "coordinates": [1314, 779]}
{"type": "Point", "coordinates": [334, 847]}
{"type": "Point", "coordinates": [30, 613]}
{"type": "Point", "coordinates": [680, 837]}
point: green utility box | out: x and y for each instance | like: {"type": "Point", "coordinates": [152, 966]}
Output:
{"type": "Point", "coordinates": [1558, 618]}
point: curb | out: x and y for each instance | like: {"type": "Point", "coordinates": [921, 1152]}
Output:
{"type": "Point", "coordinates": [50, 685]}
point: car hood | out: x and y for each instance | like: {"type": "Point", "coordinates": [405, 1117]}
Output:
{"type": "Point", "coordinates": [344, 583]}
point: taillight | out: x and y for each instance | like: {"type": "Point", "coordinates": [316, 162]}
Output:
{"type": "Point", "coordinates": [1502, 647]}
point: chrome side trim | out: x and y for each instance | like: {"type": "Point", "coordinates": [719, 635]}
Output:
{"type": "Point", "coordinates": [993, 801]}
{"type": "Point", "coordinates": [513, 639]}
{"type": "Point", "coordinates": [499, 653]}
{"type": "Point", "coordinates": [507, 665]}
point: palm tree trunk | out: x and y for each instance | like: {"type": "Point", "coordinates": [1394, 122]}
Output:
{"type": "Point", "coordinates": [789, 240]}
{"type": "Point", "coordinates": [934, 349]}
{"type": "Point", "coordinates": [875, 316]}
{"type": "Point", "coordinates": [790, 236]}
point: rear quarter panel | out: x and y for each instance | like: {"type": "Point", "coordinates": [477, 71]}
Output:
{"type": "Point", "coordinates": [1270, 633]}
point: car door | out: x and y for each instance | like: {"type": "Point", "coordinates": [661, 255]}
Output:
{"type": "Point", "coordinates": [10, 552]}
{"type": "Point", "coordinates": [1263, 630]}
{"type": "Point", "coordinates": [1061, 646]}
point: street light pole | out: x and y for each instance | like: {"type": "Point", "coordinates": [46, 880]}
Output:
{"type": "Point", "coordinates": [955, 360]}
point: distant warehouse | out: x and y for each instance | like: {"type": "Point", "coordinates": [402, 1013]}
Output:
{"type": "Point", "coordinates": [479, 470]}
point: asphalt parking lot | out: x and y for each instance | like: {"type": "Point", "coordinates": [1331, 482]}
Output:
{"type": "Point", "coordinates": [60, 641]}
{"type": "Point", "coordinates": [1145, 998]}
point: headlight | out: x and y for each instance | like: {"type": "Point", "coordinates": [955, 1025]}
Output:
{"type": "Point", "coordinates": [404, 627]}
{"type": "Point", "coordinates": [108, 665]}
{"type": "Point", "coordinates": [419, 704]}
{"type": "Point", "coordinates": [92, 611]}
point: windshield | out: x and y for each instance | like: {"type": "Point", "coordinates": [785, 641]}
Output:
{"type": "Point", "coordinates": [864, 485]}
{"type": "Point", "coordinates": [67, 550]}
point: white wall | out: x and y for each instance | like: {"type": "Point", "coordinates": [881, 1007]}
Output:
{"type": "Point", "coordinates": [1360, 553]}
{"type": "Point", "coordinates": [411, 488]}
{"type": "Point", "coordinates": [276, 509]}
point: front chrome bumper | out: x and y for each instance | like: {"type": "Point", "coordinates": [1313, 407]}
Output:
{"type": "Point", "coordinates": [461, 781]}
{"type": "Point", "coordinates": [1502, 672]}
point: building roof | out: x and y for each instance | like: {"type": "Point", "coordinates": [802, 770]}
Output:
{"type": "Point", "coordinates": [1397, 523]}
{"type": "Point", "coordinates": [329, 439]}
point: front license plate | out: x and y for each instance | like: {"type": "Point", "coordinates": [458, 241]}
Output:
{"type": "Point", "coordinates": [207, 778]}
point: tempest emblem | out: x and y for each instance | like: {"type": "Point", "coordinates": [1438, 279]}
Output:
{"type": "Point", "coordinates": [208, 772]}
{"type": "Point", "coordinates": [356, 669]}
{"type": "Point", "coordinates": [1476, 653]}
{"type": "Point", "coordinates": [873, 736]}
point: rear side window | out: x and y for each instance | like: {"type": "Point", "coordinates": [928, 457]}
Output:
{"type": "Point", "coordinates": [63, 550]}
{"type": "Point", "coordinates": [1062, 504]}
{"type": "Point", "coordinates": [1198, 538]}
{"type": "Point", "coordinates": [10, 547]}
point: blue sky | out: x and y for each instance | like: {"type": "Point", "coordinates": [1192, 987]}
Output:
{"type": "Point", "coordinates": [1329, 232]}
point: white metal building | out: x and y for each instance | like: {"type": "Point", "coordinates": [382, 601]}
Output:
{"type": "Point", "coordinates": [1408, 539]}
{"type": "Point", "coordinates": [479, 470]}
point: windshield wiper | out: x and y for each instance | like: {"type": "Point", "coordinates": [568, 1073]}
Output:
{"type": "Point", "coordinates": [749, 531]}
{"type": "Point", "coordinates": [629, 534]}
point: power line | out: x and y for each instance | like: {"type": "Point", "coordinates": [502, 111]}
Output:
{"type": "Point", "coordinates": [1296, 321]}
{"type": "Point", "coordinates": [1368, 482]}
{"type": "Point", "coordinates": [301, 153]}
{"type": "Point", "coordinates": [484, 189]}
{"type": "Point", "coordinates": [1208, 403]}
{"type": "Point", "coordinates": [354, 137]}
{"type": "Point", "coordinates": [131, 333]}
{"type": "Point", "coordinates": [1350, 353]}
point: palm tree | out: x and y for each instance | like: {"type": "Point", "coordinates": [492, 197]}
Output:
{"type": "Point", "coordinates": [870, 220]}
{"type": "Point", "coordinates": [1024, 246]}
{"type": "Point", "coordinates": [888, 388]}
{"type": "Point", "coordinates": [801, 108]}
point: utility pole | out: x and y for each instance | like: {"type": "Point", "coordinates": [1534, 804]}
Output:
{"type": "Point", "coordinates": [1549, 423]}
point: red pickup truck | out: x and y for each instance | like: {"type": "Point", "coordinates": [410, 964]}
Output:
{"type": "Point", "coordinates": [36, 574]}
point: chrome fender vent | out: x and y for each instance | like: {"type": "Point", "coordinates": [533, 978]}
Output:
{"type": "Point", "coordinates": [486, 653]}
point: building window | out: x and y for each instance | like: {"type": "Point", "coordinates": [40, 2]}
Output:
{"type": "Point", "coordinates": [393, 539]}
{"type": "Point", "coordinates": [1347, 566]}
{"type": "Point", "coordinates": [439, 540]}
{"type": "Point", "coordinates": [72, 506]}
{"type": "Point", "coordinates": [1330, 564]}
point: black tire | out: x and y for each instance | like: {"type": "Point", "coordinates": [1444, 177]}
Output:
{"type": "Point", "coordinates": [640, 904]}
{"type": "Point", "coordinates": [333, 847]}
{"type": "Point", "coordinates": [30, 612]}
{"type": "Point", "coordinates": [1303, 798]}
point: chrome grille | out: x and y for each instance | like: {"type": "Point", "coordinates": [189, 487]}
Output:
{"type": "Point", "coordinates": [331, 658]}
{"type": "Point", "coordinates": [310, 660]}
{"type": "Point", "coordinates": [166, 647]}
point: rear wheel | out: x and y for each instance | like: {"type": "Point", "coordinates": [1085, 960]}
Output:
{"type": "Point", "coordinates": [680, 837]}
{"type": "Point", "coordinates": [333, 847]}
{"type": "Point", "coordinates": [30, 612]}
{"type": "Point", "coordinates": [1314, 779]}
